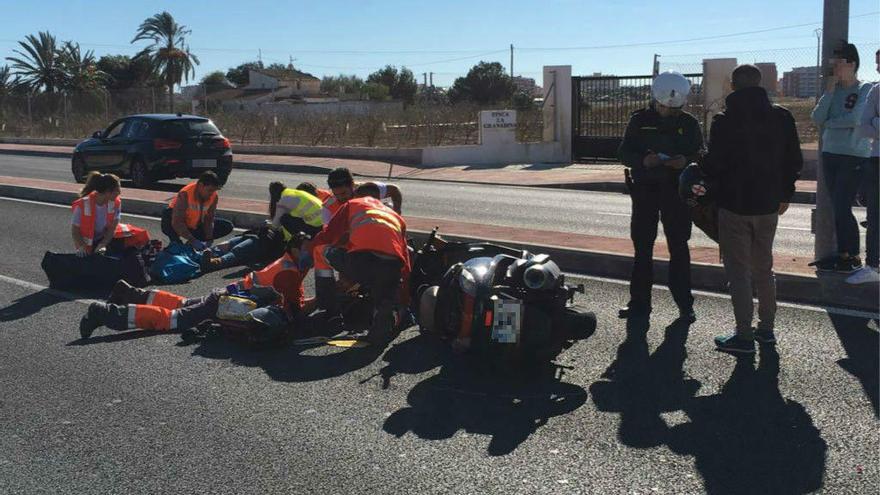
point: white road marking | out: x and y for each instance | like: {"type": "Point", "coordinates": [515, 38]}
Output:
{"type": "Point", "coordinates": [805, 307]}
{"type": "Point", "coordinates": [37, 288]}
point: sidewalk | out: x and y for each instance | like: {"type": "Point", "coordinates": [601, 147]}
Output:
{"type": "Point", "coordinates": [580, 253]}
{"type": "Point", "coordinates": [577, 176]}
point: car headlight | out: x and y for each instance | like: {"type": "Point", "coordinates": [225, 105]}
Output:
{"type": "Point", "coordinates": [467, 282]}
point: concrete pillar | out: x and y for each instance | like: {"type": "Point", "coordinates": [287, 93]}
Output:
{"type": "Point", "coordinates": [557, 113]}
{"type": "Point", "coordinates": [716, 85]}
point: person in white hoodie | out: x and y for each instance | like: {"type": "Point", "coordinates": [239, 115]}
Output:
{"type": "Point", "coordinates": [869, 127]}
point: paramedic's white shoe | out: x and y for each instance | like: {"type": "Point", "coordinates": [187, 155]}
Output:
{"type": "Point", "coordinates": [864, 275]}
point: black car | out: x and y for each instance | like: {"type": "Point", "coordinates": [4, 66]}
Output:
{"type": "Point", "coordinates": [151, 147]}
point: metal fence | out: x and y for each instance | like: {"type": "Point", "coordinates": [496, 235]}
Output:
{"type": "Point", "coordinates": [79, 114]}
{"type": "Point", "coordinates": [602, 106]}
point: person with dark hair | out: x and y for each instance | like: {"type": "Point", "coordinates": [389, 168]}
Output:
{"type": "Point", "coordinates": [375, 255]}
{"type": "Point", "coordinates": [190, 214]}
{"type": "Point", "coordinates": [96, 226]}
{"type": "Point", "coordinates": [754, 159]}
{"type": "Point", "coordinates": [342, 188]}
{"type": "Point", "coordinates": [294, 210]}
{"type": "Point", "coordinates": [869, 128]}
{"type": "Point", "coordinates": [129, 307]}
{"type": "Point", "coordinates": [845, 152]}
{"type": "Point", "coordinates": [658, 143]}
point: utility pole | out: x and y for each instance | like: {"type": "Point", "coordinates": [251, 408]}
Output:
{"type": "Point", "coordinates": [835, 30]}
{"type": "Point", "coordinates": [431, 79]}
{"type": "Point", "coordinates": [818, 61]}
{"type": "Point", "coordinates": [425, 79]}
{"type": "Point", "coordinates": [260, 56]}
{"type": "Point", "coordinates": [511, 60]}
{"type": "Point", "coordinates": [656, 68]}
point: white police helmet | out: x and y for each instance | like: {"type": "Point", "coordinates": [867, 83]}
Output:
{"type": "Point", "coordinates": [670, 89]}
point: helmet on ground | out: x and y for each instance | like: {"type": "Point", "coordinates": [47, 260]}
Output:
{"type": "Point", "coordinates": [670, 89]}
{"type": "Point", "coordinates": [693, 187]}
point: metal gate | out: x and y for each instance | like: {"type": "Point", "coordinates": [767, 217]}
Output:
{"type": "Point", "coordinates": [602, 106]}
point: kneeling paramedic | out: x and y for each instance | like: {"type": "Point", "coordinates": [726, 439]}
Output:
{"type": "Point", "coordinates": [132, 308]}
{"type": "Point", "coordinates": [659, 142]}
{"type": "Point", "coordinates": [375, 255]}
{"type": "Point", "coordinates": [190, 214]}
{"type": "Point", "coordinates": [295, 210]}
{"type": "Point", "coordinates": [96, 226]}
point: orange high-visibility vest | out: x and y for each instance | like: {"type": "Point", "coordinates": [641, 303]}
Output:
{"type": "Point", "coordinates": [88, 205]}
{"type": "Point", "coordinates": [195, 209]}
{"type": "Point", "coordinates": [324, 194]}
{"type": "Point", "coordinates": [266, 277]}
{"type": "Point", "coordinates": [376, 227]}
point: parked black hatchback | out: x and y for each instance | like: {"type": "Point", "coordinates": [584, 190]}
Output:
{"type": "Point", "coordinates": [151, 147]}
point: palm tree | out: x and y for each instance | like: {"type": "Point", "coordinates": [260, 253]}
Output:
{"type": "Point", "coordinates": [38, 65]}
{"type": "Point", "coordinates": [80, 69]}
{"type": "Point", "coordinates": [168, 54]}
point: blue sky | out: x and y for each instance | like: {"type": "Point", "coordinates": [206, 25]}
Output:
{"type": "Point", "coordinates": [447, 37]}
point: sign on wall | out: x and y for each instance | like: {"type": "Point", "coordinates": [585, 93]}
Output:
{"type": "Point", "coordinates": [498, 126]}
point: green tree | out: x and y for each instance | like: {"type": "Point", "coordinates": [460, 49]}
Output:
{"type": "Point", "coordinates": [38, 64]}
{"type": "Point", "coordinates": [216, 81]}
{"type": "Point", "coordinates": [239, 75]}
{"type": "Point", "coordinates": [123, 72]}
{"type": "Point", "coordinates": [168, 53]}
{"type": "Point", "coordinates": [485, 83]}
{"type": "Point", "coordinates": [376, 91]}
{"type": "Point", "coordinates": [401, 84]}
{"type": "Point", "coordinates": [81, 72]}
{"type": "Point", "coordinates": [342, 84]}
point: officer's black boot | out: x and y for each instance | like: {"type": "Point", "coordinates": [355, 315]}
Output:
{"type": "Point", "coordinates": [382, 327]}
{"type": "Point", "coordinates": [325, 292]}
{"type": "Point", "coordinates": [125, 293]}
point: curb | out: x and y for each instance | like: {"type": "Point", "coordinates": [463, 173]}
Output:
{"type": "Point", "coordinates": [800, 197]}
{"type": "Point", "coordinates": [826, 290]}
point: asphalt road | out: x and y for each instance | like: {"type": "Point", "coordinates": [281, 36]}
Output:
{"type": "Point", "coordinates": [594, 213]}
{"type": "Point", "coordinates": [628, 411]}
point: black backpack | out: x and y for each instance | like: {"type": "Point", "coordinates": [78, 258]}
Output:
{"type": "Point", "coordinates": [68, 271]}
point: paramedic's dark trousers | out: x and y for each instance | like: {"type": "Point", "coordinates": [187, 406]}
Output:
{"type": "Point", "coordinates": [654, 202]}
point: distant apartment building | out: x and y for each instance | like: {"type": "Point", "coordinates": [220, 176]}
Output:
{"type": "Point", "coordinates": [769, 75]}
{"type": "Point", "coordinates": [800, 82]}
{"type": "Point", "coordinates": [604, 83]}
{"type": "Point", "coordinates": [527, 85]}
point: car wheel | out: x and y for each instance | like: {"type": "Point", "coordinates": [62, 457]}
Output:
{"type": "Point", "coordinates": [579, 323]}
{"type": "Point", "coordinates": [140, 174]}
{"type": "Point", "coordinates": [78, 167]}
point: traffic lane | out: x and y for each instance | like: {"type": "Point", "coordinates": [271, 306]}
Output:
{"type": "Point", "coordinates": [595, 213]}
{"type": "Point", "coordinates": [633, 413]}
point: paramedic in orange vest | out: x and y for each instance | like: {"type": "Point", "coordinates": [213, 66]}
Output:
{"type": "Point", "coordinates": [95, 226]}
{"type": "Point", "coordinates": [342, 189]}
{"type": "Point", "coordinates": [190, 214]}
{"type": "Point", "coordinates": [133, 308]}
{"type": "Point", "coordinates": [366, 242]}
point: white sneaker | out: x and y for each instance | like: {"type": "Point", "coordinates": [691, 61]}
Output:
{"type": "Point", "coordinates": [864, 275]}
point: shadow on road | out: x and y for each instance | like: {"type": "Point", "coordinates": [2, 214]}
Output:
{"type": "Point", "coordinates": [745, 439]}
{"type": "Point", "coordinates": [750, 439]}
{"type": "Point", "coordinates": [29, 305]}
{"type": "Point", "coordinates": [640, 386]}
{"type": "Point", "coordinates": [473, 395]}
{"type": "Point", "coordinates": [862, 359]}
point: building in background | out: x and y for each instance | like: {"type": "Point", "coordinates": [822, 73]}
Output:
{"type": "Point", "coordinates": [800, 82]}
{"type": "Point", "coordinates": [527, 85]}
{"type": "Point", "coordinates": [769, 75]}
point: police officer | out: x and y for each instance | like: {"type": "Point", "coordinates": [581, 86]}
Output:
{"type": "Point", "coordinates": [659, 142]}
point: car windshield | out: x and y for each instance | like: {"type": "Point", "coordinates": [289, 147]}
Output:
{"type": "Point", "coordinates": [187, 128]}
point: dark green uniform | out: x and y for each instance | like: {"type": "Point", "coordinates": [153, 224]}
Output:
{"type": "Point", "coordinates": [654, 193]}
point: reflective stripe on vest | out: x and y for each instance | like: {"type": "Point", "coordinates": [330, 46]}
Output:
{"type": "Point", "coordinates": [372, 216]}
{"type": "Point", "coordinates": [195, 209]}
{"type": "Point", "coordinates": [88, 207]}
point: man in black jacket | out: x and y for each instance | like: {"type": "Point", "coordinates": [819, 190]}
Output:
{"type": "Point", "coordinates": [658, 143]}
{"type": "Point", "coordinates": [754, 159]}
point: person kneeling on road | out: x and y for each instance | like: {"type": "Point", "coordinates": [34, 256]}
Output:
{"type": "Point", "coordinates": [190, 214]}
{"type": "Point", "coordinates": [375, 256]}
{"type": "Point", "coordinates": [96, 226]}
{"type": "Point", "coordinates": [295, 210]}
{"type": "Point", "coordinates": [132, 308]}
